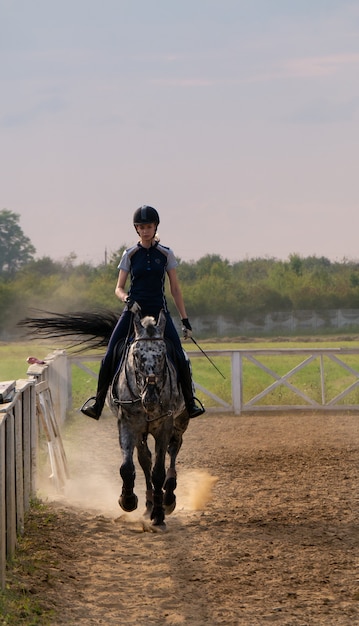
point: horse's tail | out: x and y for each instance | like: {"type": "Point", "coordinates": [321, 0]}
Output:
{"type": "Point", "coordinates": [96, 326]}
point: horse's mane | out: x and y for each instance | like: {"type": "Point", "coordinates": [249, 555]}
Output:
{"type": "Point", "coordinates": [149, 324]}
{"type": "Point", "coordinates": [87, 329]}
{"type": "Point", "coordinates": [148, 321]}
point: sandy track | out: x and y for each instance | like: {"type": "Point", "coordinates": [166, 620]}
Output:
{"type": "Point", "coordinates": [277, 543]}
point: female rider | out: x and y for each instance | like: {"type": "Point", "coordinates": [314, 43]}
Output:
{"type": "Point", "coordinates": [147, 264]}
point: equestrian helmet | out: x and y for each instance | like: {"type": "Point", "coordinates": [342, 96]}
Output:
{"type": "Point", "coordinates": [146, 215]}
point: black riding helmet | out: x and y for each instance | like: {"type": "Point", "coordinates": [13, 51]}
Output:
{"type": "Point", "coordinates": [146, 215]}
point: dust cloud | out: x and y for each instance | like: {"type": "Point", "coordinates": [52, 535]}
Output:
{"type": "Point", "coordinates": [94, 483]}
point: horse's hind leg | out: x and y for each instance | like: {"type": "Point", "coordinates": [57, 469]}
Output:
{"type": "Point", "coordinates": [145, 460]}
{"type": "Point", "coordinates": [128, 500]}
{"type": "Point", "coordinates": [170, 484]}
{"type": "Point", "coordinates": [169, 498]}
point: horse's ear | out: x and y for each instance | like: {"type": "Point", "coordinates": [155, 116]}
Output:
{"type": "Point", "coordinates": [137, 323]}
{"type": "Point", "coordinates": [161, 323]}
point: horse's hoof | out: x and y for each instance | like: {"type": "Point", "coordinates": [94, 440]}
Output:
{"type": "Point", "coordinates": [169, 498]}
{"type": "Point", "coordinates": [158, 517]}
{"type": "Point", "coordinates": [158, 527]}
{"type": "Point", "coordinates": [128, 503]}
{"type": "Point", "coordinates": [169, 507]}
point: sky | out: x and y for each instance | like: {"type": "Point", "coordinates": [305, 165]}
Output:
{"type": "Point", "coordinates": [238, 120]}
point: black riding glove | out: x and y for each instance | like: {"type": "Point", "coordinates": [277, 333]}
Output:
{"type": "Point", "coordinates": [186, 328]}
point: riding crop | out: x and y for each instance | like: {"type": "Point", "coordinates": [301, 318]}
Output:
{"type": "Point", "coordinates": [207, 357]}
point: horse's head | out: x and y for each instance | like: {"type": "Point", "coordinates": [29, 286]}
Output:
{"type": "Point", "coordinates": [146, 328]}
{"type": "Point", "coordinates": [148, 352]}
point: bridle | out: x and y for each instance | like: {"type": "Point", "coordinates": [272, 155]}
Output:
{"type": "Point", "coordinates": [150, 380]}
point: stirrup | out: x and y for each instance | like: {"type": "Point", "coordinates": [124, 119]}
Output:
{"type": "Point", "coordinates": [198, 410]}
{"type": "Point", "coordinates": [88, 400]}
{"type": "Point", "coordinates": [89, 410]}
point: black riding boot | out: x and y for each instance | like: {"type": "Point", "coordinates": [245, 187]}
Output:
{"type": "Point", "coordinates": [94, 410]}
{"type": "Point", "coordinates": [187, 390]}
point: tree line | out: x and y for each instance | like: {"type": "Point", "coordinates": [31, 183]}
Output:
{"type": "Point", "coordinates": [211, 285]}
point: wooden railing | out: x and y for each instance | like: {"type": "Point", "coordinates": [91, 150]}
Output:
{"type": "Point", "coordinates": [331, 386]}
{"type": "Point", "coordinates": [30, 411]}
{"type": "Point", "coordinates": [281, 391]}
{"type": "Point", "coordinates": [18, 452]}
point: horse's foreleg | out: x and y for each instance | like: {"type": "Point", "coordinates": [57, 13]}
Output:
{"type": "Point", "coordinates": [128, 500]}
{"type": "Point", "coordinates": [145, 460]}
{"type": "Point", "coordinates": [158, 478]}
{"type": "Point", "coordinates": [174, 447]}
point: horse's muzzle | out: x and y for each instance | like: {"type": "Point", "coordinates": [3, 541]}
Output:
{"type": "Point", "coordinates": [150, 397]}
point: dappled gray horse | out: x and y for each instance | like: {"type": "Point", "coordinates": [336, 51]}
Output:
{"type": "Point", "coordinates": [148, 401]}
{"type": "Point", "coordinates": [145, 396]}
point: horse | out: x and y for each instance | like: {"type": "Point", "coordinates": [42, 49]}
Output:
{"type": "Point", "coordinates": [151, 403]}
{"type": "Point", "coordinates": [144, 396]}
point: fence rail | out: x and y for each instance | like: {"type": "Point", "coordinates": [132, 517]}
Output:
{"type": "Point", "coordinates": [320, 395]}
{"type": "Point", "coordinates": [245, 364]}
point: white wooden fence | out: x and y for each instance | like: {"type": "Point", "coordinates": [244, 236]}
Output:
{"type": "Point", "coordinates": [18, 445]}
{"type": "Point", "coordinates": [29, 414]}
{"type": "Point", "coordinates": [321, 394]}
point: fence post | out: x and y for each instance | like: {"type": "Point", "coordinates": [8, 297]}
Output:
{"type": "Point", "coordinates": [10, 484]}
{"type": "Point", "coordinates": [19, 464]}
{"type": "Point", "coordinates": [34, 430]}
{"type": "Point", "coordinates": [57, 376]}
{"type": "Point", "coordinates": [69, 385]}
{"type": "Point", "coordinates": [237, 382]}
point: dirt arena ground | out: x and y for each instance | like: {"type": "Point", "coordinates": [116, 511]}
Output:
{"type": "Point", "coordinates": [266, 529]}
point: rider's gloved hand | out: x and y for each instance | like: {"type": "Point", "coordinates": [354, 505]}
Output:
{"type": "Point", "coordinates": [132, 305]}
{"type": "Point", "coordinates": [186, 328]}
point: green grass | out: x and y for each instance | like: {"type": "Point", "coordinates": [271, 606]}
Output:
{"type": "Point", "coordinates": [83, 383]}
{"type": "Point", "coordinates": [18, 605]}
{"type": "Point", "coordinates": [13, 357]}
